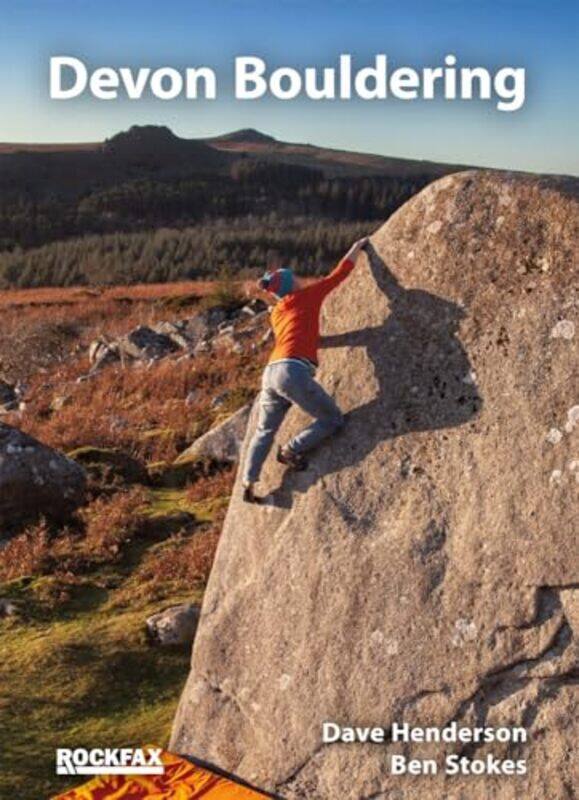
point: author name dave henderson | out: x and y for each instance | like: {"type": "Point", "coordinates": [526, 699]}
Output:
{"type": "Point", "coordinates": [454, 764]}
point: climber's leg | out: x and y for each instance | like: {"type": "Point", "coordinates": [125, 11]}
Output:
{"type": "Point", "coordinates": [303, 390]}
{"type": "Point", "coordinates": [272, 410]}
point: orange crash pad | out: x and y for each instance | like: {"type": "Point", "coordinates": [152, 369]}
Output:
{"type": "Point", "coordinates": [181, 780]}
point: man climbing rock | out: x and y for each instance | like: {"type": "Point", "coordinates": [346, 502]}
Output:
{"type": "Point", "coordinates": [288, 378]}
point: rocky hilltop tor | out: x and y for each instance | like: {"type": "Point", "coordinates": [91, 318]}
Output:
{"type": "Point", "coordinates": [162, 147]}
{"type": "Point", "coordinates": [424, 568]}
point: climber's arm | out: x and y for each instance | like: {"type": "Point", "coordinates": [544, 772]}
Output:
{"type": "Point", "coordinates": [341, 272]}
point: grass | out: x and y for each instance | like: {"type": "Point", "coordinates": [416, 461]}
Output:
{"type": "Point", "coordinates": [76, 668]}
{"type": "Point", "coordinates": [85, 678]}
{"type": "Point", "coordinates": [166, 501]}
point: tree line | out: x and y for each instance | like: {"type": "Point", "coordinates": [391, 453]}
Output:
{"type": "Point", "coordinates": [183, 226]}
{"type": "Point", "coordinates": [236, 248]}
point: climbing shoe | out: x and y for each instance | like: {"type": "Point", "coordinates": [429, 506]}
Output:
{"type": "Point", "coordinates": [291, 459]}
{"type": "Point", "coordinates": [249, 495]}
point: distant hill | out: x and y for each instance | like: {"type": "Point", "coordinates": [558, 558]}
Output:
{"type": "Point", "coordinates": [333, 162]}
{"type": "Point", "coordinates": [247, 136]}
{"type": "Point", "coordinates": [137, 153]}
{"type": "Point", "coordinates": [158, 145]}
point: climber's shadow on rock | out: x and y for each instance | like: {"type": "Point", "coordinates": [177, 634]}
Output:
{"type": "Point", "coordinates": [424, 379]}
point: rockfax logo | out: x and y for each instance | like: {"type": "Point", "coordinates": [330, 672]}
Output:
{"type": "Point", "coordinates": [109, 761]}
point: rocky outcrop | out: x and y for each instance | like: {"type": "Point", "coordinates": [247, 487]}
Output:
{"type": "Point", "coordinates": [35, 479]}
{"type": "Point", "coordinates": [103, 351]}
{"type": "Point", "coordinates": [219, 327]}
{"type": "Point", "coordinates": [204, 325]}
{"type": "Point", "coordinates": [145, 343]}
{"type": "Point", "coordinates": [222, 443]}
{"type": "Point", "coordinates": [423, 569]}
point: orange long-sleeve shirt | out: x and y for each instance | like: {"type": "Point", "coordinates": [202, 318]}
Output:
{"type": "Point", "coordinates": [296, 318]}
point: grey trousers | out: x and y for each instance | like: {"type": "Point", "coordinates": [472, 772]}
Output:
{"type": "Point", "coordinates": [286, 383]}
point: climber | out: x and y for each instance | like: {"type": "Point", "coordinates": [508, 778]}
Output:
{"type": "Point", "coordinates": [288, 378]}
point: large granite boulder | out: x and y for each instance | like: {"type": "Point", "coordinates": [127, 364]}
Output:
{"type": "Point", "coordinates": [424, 568]}
{"type": "Point", "coordinates": [35, 479]}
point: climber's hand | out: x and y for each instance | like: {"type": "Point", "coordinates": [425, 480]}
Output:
{"type": "Point", "coordinates": [354, 250]}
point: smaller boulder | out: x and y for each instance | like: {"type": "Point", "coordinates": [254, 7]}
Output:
{"type": "Point", "coordinates": [145, 343]}
{"type": "Point", "coordinates": [235, 339]}
{"type": "Point", "coordinates": [222, 443]}
{"type": "Point", "coordinates": [35, 479]}
{"type": "Point", "coordinates": [204, 325]}
{"type": "Point", "coordinates": [176, 332]}
{"type": "Point", "coordinates": [101, 352]}
{"type": "Point", "coordinates": [173, 626]}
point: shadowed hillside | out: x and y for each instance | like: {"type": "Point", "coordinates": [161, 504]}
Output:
{"type": "Point", "coordinates": [147, 180]}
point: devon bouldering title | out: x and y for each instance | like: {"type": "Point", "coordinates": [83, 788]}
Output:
{"type": "Point", "coordinates": [70, 77]}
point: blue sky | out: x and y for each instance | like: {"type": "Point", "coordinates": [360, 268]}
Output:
{"type": "Point", "coordinates": [539, 35]}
